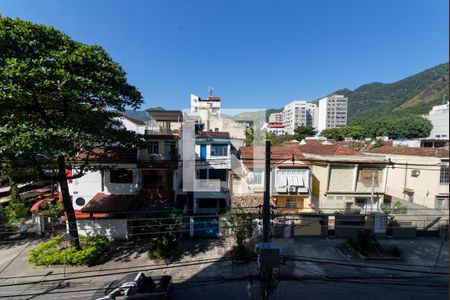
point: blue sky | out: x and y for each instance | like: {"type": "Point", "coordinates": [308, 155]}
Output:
{"type": "Point", "coordinates": [254, 53]}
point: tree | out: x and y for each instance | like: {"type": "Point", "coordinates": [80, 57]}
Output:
{"type": "Point", "coordinates": [406, 126]}
{"type": "Point", "coordinates": [64, 95]}
{"type": "Point", "coordinates": [340, 133]}
{"type": "Point", "coordinates": [254, 136]}
{"type": "Point", "coordinates": [301, 132]}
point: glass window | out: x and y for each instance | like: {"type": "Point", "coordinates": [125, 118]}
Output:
{"type": "Point", "coordinates": [121, 176]}
{"type": "Point", "coordinates": [444, 174]}
{"type": "Point", "coordinates": [257, 178]}
{"type": "Point", "coordinates": [219, 150]}
{"type": "Point", "coordinates": [153, 147]}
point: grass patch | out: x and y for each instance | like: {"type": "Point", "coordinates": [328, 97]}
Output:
{"type": "Point", "coordinates": [54, 252]}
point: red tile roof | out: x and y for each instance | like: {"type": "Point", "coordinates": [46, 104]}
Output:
{"type": "Point", "coordinates": [412, 151]}
{"type": "Point", "coordinates": [109, 155]}
{"type": "Point", "coordinates": [103, 203]}
{"type": "Point", "coordinates": [330, 150]}
{"type": "Point", "coordinates": [213, 135]}
{"type": "Point", "coordinates": [213, 98]}
{"type": "Point", "coordinates": [255, 155]}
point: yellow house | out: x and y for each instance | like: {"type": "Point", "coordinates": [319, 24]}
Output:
{"type": "Point", "coordinates": [290, 178]}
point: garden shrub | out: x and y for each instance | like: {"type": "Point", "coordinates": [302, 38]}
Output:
{"type": "Point", "coordinates": [163, 224]}
{"type": "Point", "coordinates": [53, 252]}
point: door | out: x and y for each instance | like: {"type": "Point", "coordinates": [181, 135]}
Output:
{"type": "Point", "coordinates": [203, 152]}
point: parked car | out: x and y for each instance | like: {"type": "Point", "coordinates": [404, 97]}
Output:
{"type": "Point", "coordinates": [138, 286]}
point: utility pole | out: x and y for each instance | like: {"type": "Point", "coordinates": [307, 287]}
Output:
{"type": "Point", "coordinates": [266, 269]}
{"type": "Point", "coordinates": [266, 204]}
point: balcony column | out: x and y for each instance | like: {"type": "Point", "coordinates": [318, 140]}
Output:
{"type": "Point", "coordinates": [355, 177]}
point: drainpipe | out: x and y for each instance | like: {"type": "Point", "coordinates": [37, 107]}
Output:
{"type": "Point", "coordinates": [404, 184]}
{"type": "Point", "coordinates": [385, 179]}
{"type": "Point", "coordinates": [355, 177]}
{"type": "Point", "coordinates": [328, 177]}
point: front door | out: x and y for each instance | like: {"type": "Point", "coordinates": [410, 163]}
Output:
{"type": "Point", "coordinates": [203, 152]}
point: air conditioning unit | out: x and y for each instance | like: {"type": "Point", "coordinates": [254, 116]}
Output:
{"type": "Point", "coordinates": [292, 189]}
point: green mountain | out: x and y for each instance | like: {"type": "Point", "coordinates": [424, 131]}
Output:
{"type": "Point", "coordinates": [415, 94]}
{"type": "Point", "coordinates": [259, 116]}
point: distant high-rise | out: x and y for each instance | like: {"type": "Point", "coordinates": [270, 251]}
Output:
{"type": "Point", "coordinates": [332, 112]}
{"type": "Point", "coordinates": [299, 113]}
{"type": "Point", "coordinates": [276, 117]}
{"type": "Point", "coordinates": [439, 119]}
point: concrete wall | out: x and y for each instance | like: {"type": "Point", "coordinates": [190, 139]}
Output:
{"type": "Point", "coordinates": [133, 126]}
{"type": "Point", "coordinates": [91, 183]}
{"type": "Point", "coordinates": [113, 229]}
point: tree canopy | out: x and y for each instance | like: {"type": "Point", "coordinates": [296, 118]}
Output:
{"type": "Point", "coordinates": [63, 95]}
{"type": "Point", "coordinates": [408, 126]}
{"type": "Point", "coordinates": [339, 134]}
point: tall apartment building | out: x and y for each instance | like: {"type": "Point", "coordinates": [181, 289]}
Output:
{"type": "Point", "coordinates": [332, 112]}
{"type": "Point", "coordinates": [299, 113]}
{"type": "Point", "coordinates": [276, 117]}
{"type": "Point", "coordinates": [439, 118]}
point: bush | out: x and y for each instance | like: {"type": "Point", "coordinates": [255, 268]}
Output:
{"type": "Point", "coordinates": [54, 253]}
{"type": "Point", "coordinates": [164, 225]}
{"type": "Point", "coordinates": [16, 211]}
{"type": "Point", "coordinates": [240, 252]}
{"type": "Point", "coordinates": [162, 248]}
{"type": "Point", "coordinates": [395, 250]}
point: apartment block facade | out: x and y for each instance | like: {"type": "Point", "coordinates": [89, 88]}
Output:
{"type": "Point", "coordinates": [440, 120]}
{"type": "Point", "coordinates": [299, 113]}
{"type": "Point", "coordinates": [332, 112]}
{"type": "Point", "coordinates": [276, 117]}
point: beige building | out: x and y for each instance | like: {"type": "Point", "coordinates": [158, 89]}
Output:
{"type": "Point", "coordinates": [314, 176]}
{"type": "Point", "coordinates": [343, 179]}
{"type": "Point", "coordinates": [417, 175]}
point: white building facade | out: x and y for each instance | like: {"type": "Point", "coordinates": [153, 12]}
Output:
{"type": "Point", "coordinates": [299, 113]}
{"type": "Point", "coordinates": [439, 118]}
{"type": "Point", "coordinates": [208, 112]}
{"type": "Point", "coordinates": [276, 117]}
{"type": "Point", "coordinates": [332, 112]}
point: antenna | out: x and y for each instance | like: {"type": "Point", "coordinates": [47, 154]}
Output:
{"type": "Point", "coordinates": [210, 91]}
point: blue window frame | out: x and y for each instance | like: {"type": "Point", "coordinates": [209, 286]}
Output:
{"type": "Point", "coordinates": [219, 150]}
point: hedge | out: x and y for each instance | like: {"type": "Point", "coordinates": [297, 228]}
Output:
{"type": "Point", "coordinates": [52, 252]}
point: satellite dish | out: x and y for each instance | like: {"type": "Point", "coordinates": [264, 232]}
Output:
{"type": "Point", "coordinates": [210, 91]}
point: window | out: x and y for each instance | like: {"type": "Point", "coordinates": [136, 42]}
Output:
{"type": "Point", "coordinates": [360, 202]}
{"type": "Point", "coordinates": [121, 176]}
{"type": "Point", "coordinates": [170, 150]}
{"type": "Point", "coordinates": [444, 174]}
{"type": "Point", "coordinates": [366, 175]}
{"type": "Point", "coordinates": [153, 147]}
{"type": "Point", "coordinates": [219, 150]}
{"type": "Point", "coordinates": [291, 203]}
{"type": "Point", "coordinates": [441, 203]}
{"type": "Point", "coordinates": [257, 178]}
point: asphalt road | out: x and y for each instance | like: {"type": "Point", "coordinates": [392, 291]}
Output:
{"type": "Point", "coordinates": [419, 287]}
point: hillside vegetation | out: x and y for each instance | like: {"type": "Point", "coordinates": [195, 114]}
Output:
{"type": "Point", "coordinates": [416, 94]}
